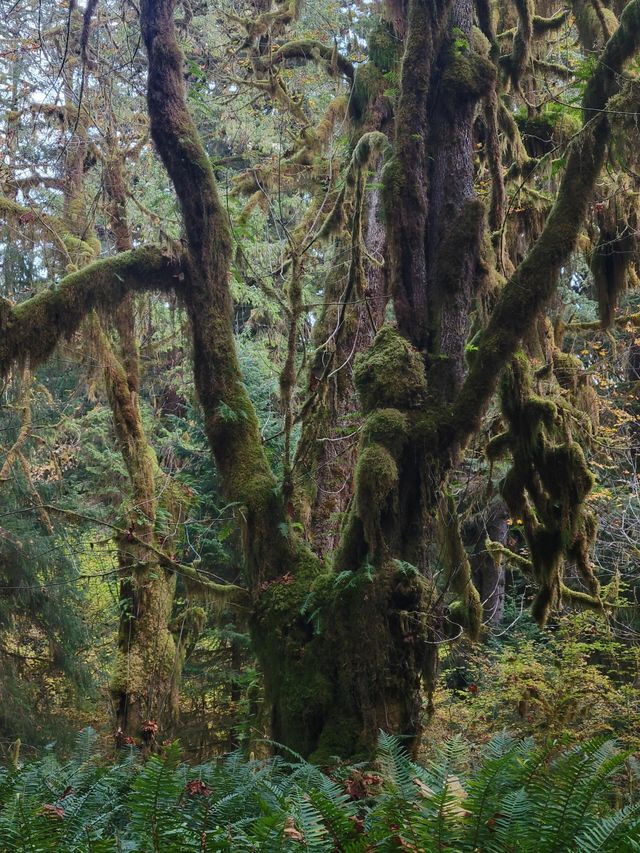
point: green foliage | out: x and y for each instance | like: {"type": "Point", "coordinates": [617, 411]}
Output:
{"type": "Point", "coordinates": [576, 681]}
{"type": "Point", "coordinates": [518, 797]}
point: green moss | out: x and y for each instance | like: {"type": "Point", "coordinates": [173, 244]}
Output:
{"type": "Point", "coordinates": [467, 77]}
{"type": "Point", "coordinates": [390, 374]}
{"type": "Point", "coordinates": [375, 481]}
{"type": "Point", "coordinates": [480, 43]}
{"type": "Point", "coordinates": [550, 127]}
{"type": "Point", "coordinates": [567, 369]}
{"type": "Point", "coordinates": [34, 327]}
{"type": "Point", "coordinates": [387, 427]}
{"type": "Point", "coordinates": [368, 84]}
{"type": "Point", "coordinates": [539, 410]}
{"type": "Point", "coordinates": [390, 381]}
{"type": "Point", "coordinates": [610, 262]}
{"type": "Point", "coordinates": [593, 34]}
{"type": "Point", "coordinates": [547, 484]}
{"type": "Point", "coordinates": [148, 661]}
{"type": "Point", "coordinates": [466, 607]}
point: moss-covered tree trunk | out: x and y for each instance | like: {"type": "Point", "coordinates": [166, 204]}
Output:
{"type": "Point", "coordinates": [327, 450]}
{"type": "Point", "coordinates": [145, 683]}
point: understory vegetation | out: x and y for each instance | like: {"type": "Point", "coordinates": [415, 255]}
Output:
{"type": "Point", "coordinates": [513, 796]}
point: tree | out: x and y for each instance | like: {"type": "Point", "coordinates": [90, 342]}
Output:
{"type": "Point", "coordinates": [344, 650]}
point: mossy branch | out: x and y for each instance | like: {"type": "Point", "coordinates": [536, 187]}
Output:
{"type": "Point", "coordinates": [189, 572]}
{"type": "Point", "coordinates": [76, 250]}
{"type": "Point", "coordinates": [30, 331]}
{"type": "Point", "coordinates": [497, 549]}
{"type": "Point", "coordinates": [313, 50]}
{"type": "Point", "coordinates": [534, 281]}
{"type": "Point", "coordinates": [370, 147]}
{"type": "Point", "coordinates": [590, 602]}
{"type": "Point", "coordinates": [596, 325]}
{"type": "Point", "coordinates": [541, 25]}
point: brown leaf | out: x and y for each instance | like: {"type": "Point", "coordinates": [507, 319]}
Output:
{"type": "Point", "coordinates": [196, 787]}
{"type": "Point", "coordinates": [51, 810]}
{"type": "Point", "coordinates": [290, 831]}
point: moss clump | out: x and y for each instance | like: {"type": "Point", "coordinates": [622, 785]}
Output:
{"type": "Point", "coordinates": [480, 43]}
{"type": "Point", "coordinates": [390, 381]}
{"type": "Point", "coordinates": [375, 483]}
{"type": "Point", "coordinates": [547, 129]}
{"type": "Point", "coordinates": [390, 374]}
{"type": "Point", "coordinates": [388, 427]}
{"type": "Point", "coordinates": [467, 77]}
{"type": "Point", "coordinates": [568, 370]}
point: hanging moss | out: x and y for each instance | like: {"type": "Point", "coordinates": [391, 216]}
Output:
{"type": "Point", "coordinates": [595, 22]}
{"type": "Point", "coordinates": [384, 47]}
{"type": "Point", "coordinates": [547, 484]}
{"type": "Point", "coordinates": [466, 607]}
{"type": "Point", "coordinates": [612, 258]}
{"type": "Point", "coordinates": [368, 84]}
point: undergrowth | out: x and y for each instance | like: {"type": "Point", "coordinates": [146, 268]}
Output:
{"type": "Point", "coordinates": [520, 797]}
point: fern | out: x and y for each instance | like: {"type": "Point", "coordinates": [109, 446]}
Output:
{"type": "Point", "coordinates": [520, 798]}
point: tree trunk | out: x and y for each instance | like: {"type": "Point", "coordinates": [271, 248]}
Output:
{"type": "Point", "coordinates": [145, 684]}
